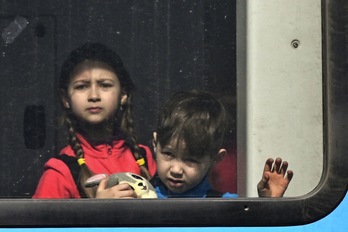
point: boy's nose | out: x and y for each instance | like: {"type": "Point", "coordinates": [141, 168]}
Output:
{"type": "Point", "coordinates": [176, 169]}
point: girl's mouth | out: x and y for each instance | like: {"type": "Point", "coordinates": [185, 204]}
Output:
{"type": "Point", "coordinates": [94, 110]}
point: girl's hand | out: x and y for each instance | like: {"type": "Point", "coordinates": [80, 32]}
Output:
{"type": "Point", "coordinates": [275, 180]}
{"type": "Point", "coordinates": [117, 191]}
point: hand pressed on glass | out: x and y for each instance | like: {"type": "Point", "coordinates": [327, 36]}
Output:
{"type": "Point", "coordinates": [275, 178]}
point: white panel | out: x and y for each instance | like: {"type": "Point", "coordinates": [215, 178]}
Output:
{"type": "Point", "coordinates": [279, 91]}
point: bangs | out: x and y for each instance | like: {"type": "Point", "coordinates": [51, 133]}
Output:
{"type": "Point", "coordinates": [91, 64]}
{"type": "Point", "coordinates": [202, 131]}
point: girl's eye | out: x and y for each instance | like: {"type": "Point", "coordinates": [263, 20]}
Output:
{"type": "Point", "coordinates": [105, 85]}
{"type": "Point", "coordinates": [80, 87]}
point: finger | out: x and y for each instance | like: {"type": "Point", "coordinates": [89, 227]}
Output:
{"type": "Point", "coordinates": [94, 180]}
{"type": "Point", "coordinates": [265, 178]}
{"type": "Point", "coordinates": [277, 165]}
{"type": "Point", "coordinates": [123, 186]}
{"type": "Point", "coordinates": [102, 185]}
{"type": "Point", "coordinates": [127, 190]}
{"type": "Point", "coordinates": [289, 175]}
{"type": "Point", "coordinates": [284, 168]}
{"type": "Point", "coordinates": [129, 193]}
{"type": "Point", "coordinates": [263, 182]}
{"type": "Point", "coordinates": [268, 165]}
{"type": "Point", "coordinates": [119, 191]}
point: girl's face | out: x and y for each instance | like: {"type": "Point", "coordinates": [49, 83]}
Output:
{"type": "Point", "coordinates": [177, 170]}
{"type": "Point", "coordinates": [94, 95]}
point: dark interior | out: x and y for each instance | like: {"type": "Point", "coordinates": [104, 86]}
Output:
{"type": "Point", "coordinates": [167, 46]}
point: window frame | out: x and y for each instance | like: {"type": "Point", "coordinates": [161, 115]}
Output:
{"type": "Point", "coordinates": [225, 212]}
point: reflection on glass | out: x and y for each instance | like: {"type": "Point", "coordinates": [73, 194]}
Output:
{"type": "Point", "coordinates": [167, 46]}
{"type": "Point", "coordinates": [170, 46]}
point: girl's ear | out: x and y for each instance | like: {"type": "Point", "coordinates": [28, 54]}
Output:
{"type": "Point", "coordinates": [66, 103]}
{"type": "Point", "coordinates": [65, 100]}
{"type": "Point", "coordinates": [124, 98]}
{"type": "Point", "coordinates": [220, 155]}
{"type": "Point", "coordinates": [154, 137]}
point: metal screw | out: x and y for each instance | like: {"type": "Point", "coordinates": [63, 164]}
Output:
{"type": "Point", "coordinates": [295, 43]}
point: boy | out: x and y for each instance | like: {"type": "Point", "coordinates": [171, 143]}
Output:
{"type": "Point", "coordinates": [189, 140]}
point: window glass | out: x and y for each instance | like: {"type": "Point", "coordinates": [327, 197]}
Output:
{"type": "Point", "coordinates": [278, 67]}
{"type": "Point", "coordinates": [167, 46]}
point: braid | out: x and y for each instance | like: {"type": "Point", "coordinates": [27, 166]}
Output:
{"type": "Point", "coordinates": [98, 55]}
{"type": "Point", "coordinates": [127, 126]}
{"type": "Point", "coordinates": [75, 144]}
{"type": "Point", "coordinates": [73, 140]}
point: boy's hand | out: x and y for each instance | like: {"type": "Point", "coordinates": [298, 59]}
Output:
{"type": "Point", "coordinates": [117, 191]}
{"type": "Point", "coordinates": [275, 180]}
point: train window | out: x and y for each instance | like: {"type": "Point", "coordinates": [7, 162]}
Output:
{"type": "Point", "coordinates": [278, 68]}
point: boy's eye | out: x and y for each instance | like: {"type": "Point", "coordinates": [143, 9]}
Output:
{"type": "Point", "coordinates": [190, 160]}
{"type": "Point", "coordinates": [167, 154]}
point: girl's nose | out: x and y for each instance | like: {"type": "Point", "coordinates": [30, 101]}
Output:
{"type": "Point", "coordinates": [94, 95]}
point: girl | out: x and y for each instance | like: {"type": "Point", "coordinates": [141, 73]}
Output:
{"type": "Point", "coordinates": [189, 140]}
{"type": "Point", "coordinates": [96, 95]}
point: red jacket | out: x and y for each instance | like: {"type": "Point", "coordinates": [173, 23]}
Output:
{"type": "Point", "coordinates": [57, 181]}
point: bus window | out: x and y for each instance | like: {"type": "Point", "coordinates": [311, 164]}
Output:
{"type": "Point", "coordinates": [277, 67]}
{"type": "Point", "coordinates": [167, 47]}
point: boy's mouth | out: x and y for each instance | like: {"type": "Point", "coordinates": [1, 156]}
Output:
{"type": "Point", "coordinates": [175, 183]}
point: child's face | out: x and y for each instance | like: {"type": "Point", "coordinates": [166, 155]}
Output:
{"type": "Point", "coordinates": [177, 170]}
{"type": "Point", "coordinates": [94, 95]}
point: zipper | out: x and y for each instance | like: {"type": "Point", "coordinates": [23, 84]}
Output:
{"type": "Point", "coordinates": [109, 149]}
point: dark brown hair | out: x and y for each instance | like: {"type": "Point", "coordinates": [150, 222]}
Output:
{"type": "Point", "coordinates": [99, 55]}
{"type": "Point", "coordinates": [196, 118]}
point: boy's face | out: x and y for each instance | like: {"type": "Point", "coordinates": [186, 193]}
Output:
{"type": "Point", "coordinates": [176, 169]}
